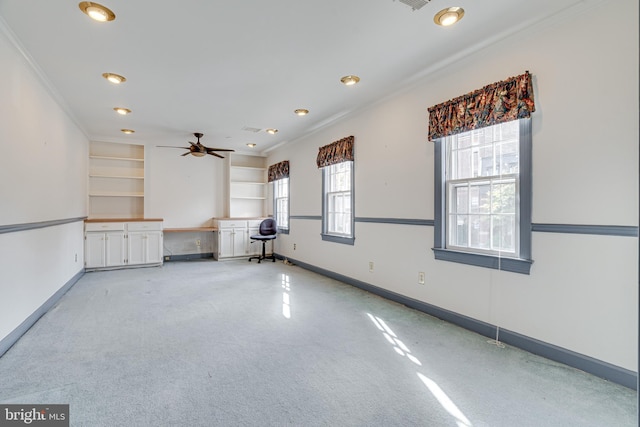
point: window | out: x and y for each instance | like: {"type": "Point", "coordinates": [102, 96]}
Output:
{"type": "Point", "coordinates": [281, 204]}
{"type": "Point", "coordinates": [338, 202]}
{"type": "Point", "coordinates": [483, 197]}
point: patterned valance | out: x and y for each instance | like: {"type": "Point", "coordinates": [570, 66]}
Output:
{"type": "Point", "coordinates": [496, 103]}
{"type": "Point", "coordinates": [336, 152]}
{"type": "Point", "coordinates": [279, 171]}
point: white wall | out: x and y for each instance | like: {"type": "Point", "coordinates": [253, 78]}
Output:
{"type": "Point", "coordinates": [582, 292]}
{"type": "Point", "coordinates": [43, 177]}
{"type": "Point", "coordinates": [184, 191]}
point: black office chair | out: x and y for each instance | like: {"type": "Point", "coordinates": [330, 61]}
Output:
{"type": "Point", "coordinates": [267, 231]}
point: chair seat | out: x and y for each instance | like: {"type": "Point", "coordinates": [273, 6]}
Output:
{"type": "Point", "coordinates": [261, 237]}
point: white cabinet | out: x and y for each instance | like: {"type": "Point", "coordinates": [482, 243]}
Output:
{"type": "Point", "coordinates": [118, 244]}
{"type": "Point", "coordinates": [104, 249]}
{"type": "Point", "coordinates": [144, 243]}
{"type": "Point", "coordinates": [234, 237]}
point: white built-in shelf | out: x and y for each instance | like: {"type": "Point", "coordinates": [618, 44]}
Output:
{"type": "Point", "coordinates": [247, 186]}
{"type": "Point", "coordinates": [116, 180]}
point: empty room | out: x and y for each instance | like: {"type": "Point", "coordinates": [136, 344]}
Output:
{"type": "Point", "coordinates": [361, 213]}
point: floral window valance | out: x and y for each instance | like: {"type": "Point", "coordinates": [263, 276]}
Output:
{"type": "Point", "coordinates": [336, 152]}
{"type": "Point", "coordinates": [278, 171]}
{"type": "Point", "coordinates": [496, 103]}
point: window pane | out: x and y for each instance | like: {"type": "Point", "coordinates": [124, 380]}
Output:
{"type": "Point", "coordinates": [504, 233]}
{"type": "Point", "coordinates": [460, 200]}
{"type": "Point", "coordinates": [480, 235]}
{"type": "Point", "coordinates": [508, 157]}
{"type": "Point", "coordinates": [459, 232]}
{"type": "Point", "coordinates": [486, 160]}
{"type": "Point", "coordinates": [503, 197]}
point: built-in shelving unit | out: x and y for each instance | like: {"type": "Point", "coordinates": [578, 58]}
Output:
{"type": "Point", "coordinates": [116, 180]}
{"type": "Point", "coordinates": [247, 186]}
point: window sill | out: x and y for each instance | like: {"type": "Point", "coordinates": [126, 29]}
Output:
{"type": "Point", "coordinates": [283, 230]}
{"type": "Point", "coordinates": [514, 265]}
{"type": "Point", "coordinates": [338, 239]}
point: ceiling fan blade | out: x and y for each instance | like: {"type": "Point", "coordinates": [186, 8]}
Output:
{"type": "Point", "coordinates": [218, 149]}
{"type": "Point", "coordinates": [171, 146]}
{"type": "Point", "coordinates": [185, 154]}
{"type": "Point", "coordinates": [215, 154]}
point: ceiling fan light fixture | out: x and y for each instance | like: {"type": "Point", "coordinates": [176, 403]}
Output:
{"type": "Point", "coordinates": [127, 131]}
{"type": "Point", "coordinates": [448, 16]}
{"type": "Point", "coordinates": [122, 111]}
{"type": "Point", "coordinates": [114, 78]}
{"type": "Point", "coordinates": [272, 131]}
{"type": "Point", "coordinates": [350, 80]}
{"type": "Point", "coordinates": [96, 11]}
{"type": "Point", "coordinates": [198, 154]}
{"type": "Point", "coordinates": [301, 111]}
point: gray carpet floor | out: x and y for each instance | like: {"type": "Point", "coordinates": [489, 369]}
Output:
{"type": "Point", "coordinates": [233, 343]}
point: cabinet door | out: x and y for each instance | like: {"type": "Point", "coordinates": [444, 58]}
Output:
{"type": "Point", "coordinates": [154, 247]}
{"type": "Point", "coordinates": [114, 248]}
{"type": "Point", "coordinates": [137, 249]}
{"type": "Point", "coordinates": [239, 241]}
{"type": "Point", "coordinates": [225, 242]}
{"type": "Point", "coordinates": [94, 247]}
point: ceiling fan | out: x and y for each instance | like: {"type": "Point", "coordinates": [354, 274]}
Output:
{"type": "Point", "coordinates": [199, 150]}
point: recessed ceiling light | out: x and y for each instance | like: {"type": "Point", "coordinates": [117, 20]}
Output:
{"type": "Point", "coordinates": [128, 131]}
{"type": "Point", "coordinates": [97, 11]}
{"type": "Point", "coordinates": [251, 145]}
{"type": "Point", "coordinates": [448, 16]}
{"type": "Point", "coordinates": [123, 111]}
{"type": "Point", "coordinates": [114, 78]}
{"type": "Point", "coordinates": [272, 131]}
{"type": "Point", "coordinates": [301, 112]}
{"type": "Point", "coordinates": [350, 80]}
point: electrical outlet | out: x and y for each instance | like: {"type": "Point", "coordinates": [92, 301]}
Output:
{"type": "Point", "coordinates": [198, 242]}
{"type": "Point", "coordinates": [421, 278]}
{"type": "Point", "coordinates": [294, 246]}
{"type": "Point", "coordinates": [371, 266]}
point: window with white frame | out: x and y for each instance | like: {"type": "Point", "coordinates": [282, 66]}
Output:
{"type": "Point", "coordinates": [281, 203]}
{"type": "Point", "coordinates": [483, 197]}
{"type": "Point", "coordinates": [482, 190]}
{"type": "Point", "coordinates": [338, 202]}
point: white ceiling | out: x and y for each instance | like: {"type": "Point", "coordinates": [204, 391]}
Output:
{"type": "Point", "coordinates": [219, 66]}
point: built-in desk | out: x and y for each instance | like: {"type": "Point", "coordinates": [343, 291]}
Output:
{"type": "Point", "coordinates": [189, 229]}
{"type": "Point", "coordinates": [186, 243]}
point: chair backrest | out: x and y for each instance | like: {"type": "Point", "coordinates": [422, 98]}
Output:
{"type": "Point", "coordinates": [268, 227]}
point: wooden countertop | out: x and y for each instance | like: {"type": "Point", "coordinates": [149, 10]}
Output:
{"type": "Point", "coordinates": [123, 220]}
{"type": "Point", "coordinates": [188, 229]}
